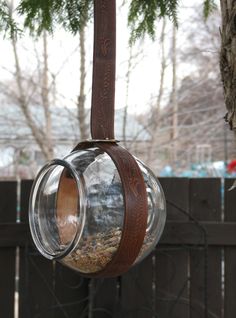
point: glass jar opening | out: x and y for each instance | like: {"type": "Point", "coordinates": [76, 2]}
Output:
{"type": "Point", "coordinates": [56, 209]}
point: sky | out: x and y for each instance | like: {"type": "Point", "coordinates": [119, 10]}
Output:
{"type": "Point", "coordinates": [64, 62]}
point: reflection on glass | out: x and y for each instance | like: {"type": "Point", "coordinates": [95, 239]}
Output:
{"type": "Point", "coordinates": [77, 210]}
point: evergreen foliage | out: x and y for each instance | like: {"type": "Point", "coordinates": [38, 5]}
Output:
{"type": "Point", "coordinates": [46, 14]}
{"type": "Point", "coordinates": [208, 7]}
{"type": "Point", "coordinates": [7, 24]}
{"type": "Point", "coordinates": [42, 15]}
{"type": "Point", "coordinates": [144, 13]}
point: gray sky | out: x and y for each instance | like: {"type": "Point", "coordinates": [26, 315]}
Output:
{"type": "Point", "coordinates": [64, 61]}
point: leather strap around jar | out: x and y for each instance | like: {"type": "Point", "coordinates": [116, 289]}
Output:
{"type": "Point", "coordinates": [104, 55]}
{"type": "Point", "coordinates": [102, 129]}
{"type": "Point", "coordinates": [135, 209]}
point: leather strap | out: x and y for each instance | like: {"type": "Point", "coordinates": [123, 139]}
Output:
{"type": "Point", "coordinates": [135, 209]}
{"type": "Point", "coordinates": [104, 55]}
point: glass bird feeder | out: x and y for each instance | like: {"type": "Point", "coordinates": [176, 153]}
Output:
{"type": "Point", "coordinates": [99, 210]}
{"type": "Point", "coordinates": [77, 210]}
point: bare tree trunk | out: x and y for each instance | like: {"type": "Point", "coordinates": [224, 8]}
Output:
{"type": "Point", "coordinates": [163, 68]}
{"type": "Point", "coordinates": [128, 73]}
{"type": "Point", "coordinates": [81, 113]}
{"type": "Point", "coordinates": [45, 97]}
{"type": "Point", "coordinates": [228, 58]}
{"type": "Point", "coordinates": [37, 133]}
{"type": "Point", "coordinates": [159, 96]}
{"type": "Point", "coordinates": [174, 98]}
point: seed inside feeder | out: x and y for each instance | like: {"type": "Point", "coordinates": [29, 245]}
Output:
{"type": "Point", "coordinates": [94, 252]}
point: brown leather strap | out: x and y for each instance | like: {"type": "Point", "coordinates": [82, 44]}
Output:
{"type": "Point", "coordinates": [103, 87]}
{"type": "Point", "coordinates": [135, 209]}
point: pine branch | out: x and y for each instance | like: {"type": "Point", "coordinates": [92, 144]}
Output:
{"type": "Point", "coordinates": [7, 24]}
{"type": "Point", "coordinates": [47, 14]}
{"type": "Point", "coordinates": [209, 6]}
{"type": "Point", "coordinates": [72, 15]}
{"type": "Point", "coordinates": [144, 13]}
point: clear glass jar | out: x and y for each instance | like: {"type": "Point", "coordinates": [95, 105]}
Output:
{"type": "Point", "coordinates": [77, 210]}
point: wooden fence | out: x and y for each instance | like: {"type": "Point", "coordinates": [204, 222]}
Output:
{"type": "Point", "coordinates": [191, 274]}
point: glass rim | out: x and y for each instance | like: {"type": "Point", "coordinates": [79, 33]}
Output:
{"type": "Point", "coordinates": [81, 217]}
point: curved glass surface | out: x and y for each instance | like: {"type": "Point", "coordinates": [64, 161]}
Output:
{"type": "Point", "coordinates": [77, 210]}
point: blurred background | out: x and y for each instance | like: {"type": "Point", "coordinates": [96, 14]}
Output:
{"type": "Point", "coordinates": [169, 97]}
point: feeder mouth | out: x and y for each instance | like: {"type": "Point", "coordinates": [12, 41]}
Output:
{"type": "Point", "coordinates": [57, 209]}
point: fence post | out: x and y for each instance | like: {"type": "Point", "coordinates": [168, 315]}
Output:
{"type": "Point", "coordinates": [205, 262]}
{"type": "Point", "coordinates": [8, 196]}
{"type": "Point", "coordinates": [172, 298]}
{"type": "Point", "coordinates": [230, 254]}
{"type": "Point", "coordinates": [36, 294]}
{"type": "Point", "coordinates": [137, 291]}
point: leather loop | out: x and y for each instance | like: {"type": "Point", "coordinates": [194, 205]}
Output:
{"type": "Point", "coordinates": [104, 55]}
{"type": "Point", "coordinates": [135, 209]}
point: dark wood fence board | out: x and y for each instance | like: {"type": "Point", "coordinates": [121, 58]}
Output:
{"type": "Point", "coordinates": [8, 197]}
{"type": "Point", "coordinates": [104, 297]}
{"type": "Point", "coordinates": [175, 233]}
{"type": "Point", "coordinates": [230, 279]}
{"type": "Point", "coordinates": [230, 254]}
{"type": "Point", "coordinates": [205, 199]}
{"type": "Point", "coordinates": [36, 285]}
{"type": "Point", "coordinates": [24, 297]}
{"type": "Point", "coordinates": [36, 288]}
{"type": "Point", "coordinates": [14, 234]}
{"type": "Point", "coordinates": [7, 282]}
{"type": "Point", "coordinates": [137, 299]}
{"type": "Point", "coordinates": [205, 264]}
{"type": "Point", "coordinates": [8, 206]}
{"type": "Point", "coordinates": [191, 233]}
{"type": "Point", "coordinates": [172, 263]}
{"type": "Point", "coordinates": [172, 298]}
{"type": "Point", "coordinates": [176, 192]}
{"type": "Point", "coordinates": [198, 284]}
{"type": "Point", "coordinates": [24, 199]}
{"type": "Point", "coordinates": [71, 291]}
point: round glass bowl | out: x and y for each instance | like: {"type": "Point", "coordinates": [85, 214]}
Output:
{"type": "Point", "coordinates": [76, 210]}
